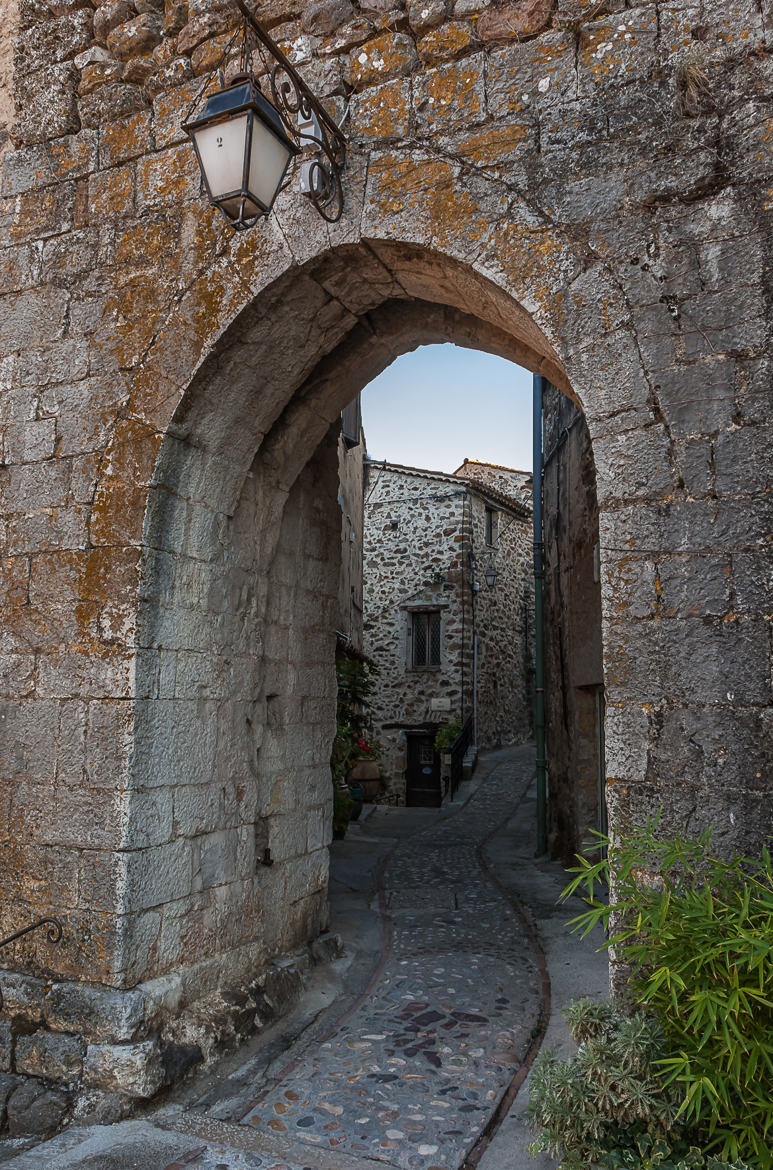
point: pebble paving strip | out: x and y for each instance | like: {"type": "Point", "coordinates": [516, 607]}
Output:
{"type": "Point", "coordinates": [414, 1075]}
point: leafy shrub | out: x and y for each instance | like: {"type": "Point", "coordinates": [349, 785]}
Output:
{"type": "Point", "coordinates": [355, 686]}
{"type": "Point", "coordinates": [609, 1107]}
{"type": "Point", "coordinates": [446, 736]}
{"type": "Point", "coordinates": [698, 931]}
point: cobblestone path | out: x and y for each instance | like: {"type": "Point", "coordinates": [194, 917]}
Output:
{"type": "Point", "coordinates": [414, 1072]}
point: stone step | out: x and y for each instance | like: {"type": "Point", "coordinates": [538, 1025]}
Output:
{"type": "Point", "coordinates": [293, 1154]}
{"type": "Point", "coordinates": [186, 1141]}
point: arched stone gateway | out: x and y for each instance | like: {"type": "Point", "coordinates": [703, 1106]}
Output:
{"type": "Point", "coordinates": [588, 195]}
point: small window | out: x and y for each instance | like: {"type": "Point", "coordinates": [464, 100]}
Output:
{"type": "Point", "coordinates": [425, 638]}
{"type": "Point", "coordinates": [490, 526]}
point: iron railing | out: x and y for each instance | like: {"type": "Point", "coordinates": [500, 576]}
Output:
{"type": "Point", "coordinates": [458, 752]}
{"type": "Point", "coordinates": [54, 935]}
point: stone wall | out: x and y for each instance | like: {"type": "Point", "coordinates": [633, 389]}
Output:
{"type": "Point", "coordinates": [584, 190]}
{"type": "Point", "coordinates": [351, 476]}
{"type": "Point", "coordinates": [574, 674]}
{"type": "Point", "coordinates": [422, 531]}
{"type": "Point", "coordinates": [503, 613]}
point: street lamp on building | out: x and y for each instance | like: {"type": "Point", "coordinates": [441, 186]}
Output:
{"type": "Point", "coordinates": [245, 143]}
{"type": "Point", "coordinates": [490, 575]}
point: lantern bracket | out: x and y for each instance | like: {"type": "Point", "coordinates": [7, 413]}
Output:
{"type": "Point", "coordinates": [309, 125]}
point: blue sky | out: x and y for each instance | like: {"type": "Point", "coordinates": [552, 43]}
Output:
{"type": "Point", "coordinates": [441, 404]}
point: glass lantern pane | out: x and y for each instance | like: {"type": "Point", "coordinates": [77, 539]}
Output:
{"type": "Point", "coordinates": [221, 149]}
{"type": "Point", "coordinates": [268, 162]}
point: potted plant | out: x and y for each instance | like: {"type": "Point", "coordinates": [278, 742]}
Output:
{"type": "Point", "coordinates": [353, 756]}
{"type": "Point", "coordinates": [446, 736]}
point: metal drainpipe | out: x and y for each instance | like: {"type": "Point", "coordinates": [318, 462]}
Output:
{"type": "Point", "coordinates": [539, 643]}
{"type": "Point", "coordinates": [475, 689]}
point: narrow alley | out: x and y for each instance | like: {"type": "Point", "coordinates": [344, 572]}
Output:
{"type": "Point", "coordinates": [411, 1053]}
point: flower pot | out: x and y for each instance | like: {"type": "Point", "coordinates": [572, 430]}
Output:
{"type": "Point", "coordinates": [364, 770]}
{"type": "Point", "coordinates": [371, 789]}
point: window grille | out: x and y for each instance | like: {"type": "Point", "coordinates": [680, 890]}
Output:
{"type": "Point", "coordinates": [425, 630]}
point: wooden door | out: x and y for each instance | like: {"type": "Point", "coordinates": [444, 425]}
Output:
{"type": "Point", "coordinates": [422, 788]}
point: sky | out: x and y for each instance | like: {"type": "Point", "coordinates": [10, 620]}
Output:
{"type": "Point", "coordinates": [441, 404]}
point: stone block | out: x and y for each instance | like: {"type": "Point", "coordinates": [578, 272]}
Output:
{"type": "Point", "coordinates": [95, 1107]}
{"type": "Point", "coordinates": [382, 59]}
{"type": "Point", "coordinates": [54, 40]}
{"type": "Point", "coordinates": [98, 1014]}
{"type": "Point", "coordinates": [691, 586]}
{"type": "Point", "coordinates": [110, 103]}
{"type": "Point", "coordinates": [512, 21]}
{"type": "Point", "coordinates": [8, 1084]}
{"type": "Point", "coordinates": [748, 448]}
{"type": "Point", "coordinates": [217, 859]}
{"type": "Point", "coordinates": [31, 318]}
{"type": "Point", "coordinates": [22, 997]}
{"type": "Point", "coordinates": [728, 662]}
{"type": "Point", "coordinates": [324, 17]}
{"type": "Point", "coordinates": [111, 193]}
{"type": "Point", "coordinates": [634, 464]}
{"type": "Point", "coordinates": [169, 178]}
{"type": "Point", "coordinates": [136, 37]}
{"type": "Point", "coordinates": [444, 44]}
{"type": "Point", "coordinates": [35, 1110]}
{"type": "Point", "coordinates": [6, 1047]}
{"type": "Point", "coordinates": [698, 399]}
{"type": "Point", "coordinates": [47, 104]}
{"type": "Point", "coordinates": [109, 16]}
{"type": "Point", "coordinates": [38, 166]}
{"type": "Point", "coordinates": [327, 948]}
{"type": "Point", "coordinates": [50, 1055]}
{"type": "Point", "coordinates": [424, 15]}
{"type": "Point", "coordinates": [158, 875]}
{"type": "Point", "coordinates": [175, 738]}
{"type": "Point", "coordinates": [753, 582]}
{"type": "Point", "coordinates": [450, 96]}
{"type": "Point", "coordinates": [201, 28]}
{"type": "Point", "coordinates": [134, 1069]}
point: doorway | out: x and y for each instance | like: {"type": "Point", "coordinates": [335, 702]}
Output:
{"type": "Point", "coordinates": [422, 775]}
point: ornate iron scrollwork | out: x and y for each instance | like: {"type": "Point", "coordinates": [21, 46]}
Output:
{"type": "Point", "coordinates": [322, 143]}
{"type": "Point", "coordinates": [54, 936]}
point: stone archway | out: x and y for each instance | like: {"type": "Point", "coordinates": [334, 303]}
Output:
{"type": "Point", "coordinates": [234, 708]}
{"type": "Point", "coordinates": [551, 183]}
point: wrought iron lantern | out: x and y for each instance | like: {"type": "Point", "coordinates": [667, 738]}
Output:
{"type": "Point", "coordinates": [490, 574]}
{"type": "Point", "coordinates": [245, 143]}
{"type": "Point", "coordinates": [243, 151]}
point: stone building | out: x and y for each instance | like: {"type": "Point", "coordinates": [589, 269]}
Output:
{"type": "Point", "coordinates": [448, 645]}
{"type": "Point", "coordinates": [542, 179]}
{"type": "Point", "coordinates": [351, 473]}
{"type": "Point", "coordinates": [574, 674]}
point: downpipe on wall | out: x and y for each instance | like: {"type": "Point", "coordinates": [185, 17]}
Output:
{"type": "Point", "coordinates": [539, 641]}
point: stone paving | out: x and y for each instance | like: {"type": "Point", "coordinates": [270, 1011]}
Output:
{"type": "Point", "coordinates": [414, 1074]}
{"type": "Point", "coordinates": [412, 1071]}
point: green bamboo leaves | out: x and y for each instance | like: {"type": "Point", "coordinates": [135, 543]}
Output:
{"type": "Point", "coordinates": [697, 930]}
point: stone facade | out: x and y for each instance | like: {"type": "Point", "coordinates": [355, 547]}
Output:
{"type": "Point", "coordinates": [582, 188]}
{"type": "Point", "coordinates": [426, 552]}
